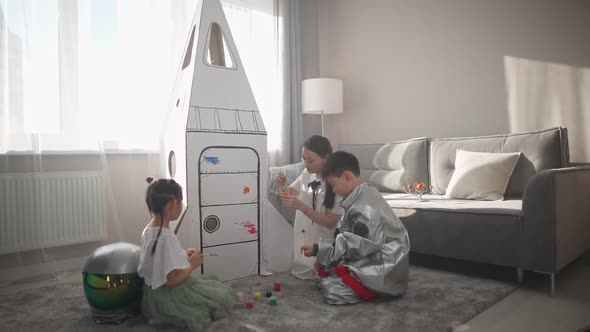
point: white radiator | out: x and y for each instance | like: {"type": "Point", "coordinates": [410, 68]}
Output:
{"type": "Point", "coordinates": [45, 210]}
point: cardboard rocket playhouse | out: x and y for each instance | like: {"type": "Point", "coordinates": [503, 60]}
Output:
{"type": "Point", "coordinates": [214, 145]}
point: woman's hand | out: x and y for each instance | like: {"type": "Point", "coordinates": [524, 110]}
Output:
{"type": "Point", "coordinates": [195, 259]}
{"type": "Point", "coordinates": [307, 250]}
{"type": "Point", "coordinates": [290, 200]}
{"type": "Point", "coordinates": [190, 251]}
{"type": "Point", "coordinates": [281, 179]}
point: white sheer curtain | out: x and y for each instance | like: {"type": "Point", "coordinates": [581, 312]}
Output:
{"type": "Point", "coordinates": [80, 76]}
{"type": "Point", "coordinates": [543, 95]}
{"type": "Point", "coordinates": [267, 37]}
{"type": "Point", "coordinates": [93, 75]}
{"type": "Point", "coordinates": [254, 31]}
{"type": "Point", "coordinates": [87, 75]}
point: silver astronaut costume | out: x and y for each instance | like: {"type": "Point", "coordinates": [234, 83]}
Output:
{"type": "Point", "coordinates": [372, 242]}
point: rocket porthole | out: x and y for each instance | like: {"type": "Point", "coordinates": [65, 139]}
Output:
{"type": "Point", "coordinates": [211, 224]}
{"type": "Point", "coordinates": [172, 164]}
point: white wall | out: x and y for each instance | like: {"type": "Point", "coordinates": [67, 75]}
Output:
{"type": "Point", "coordinates": [436, 68]}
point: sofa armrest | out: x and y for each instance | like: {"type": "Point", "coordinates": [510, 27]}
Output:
{"type": "Point", "coordinates": [291, 171]}
{"type": "Point", "coordinates": [556, 218]}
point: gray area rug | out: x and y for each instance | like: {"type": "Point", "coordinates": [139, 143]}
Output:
{"type": "Point", "coordinates": [437, 300]}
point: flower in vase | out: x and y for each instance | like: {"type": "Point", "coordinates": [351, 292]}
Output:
{"type": "Point", "coordinates": [417, 189]}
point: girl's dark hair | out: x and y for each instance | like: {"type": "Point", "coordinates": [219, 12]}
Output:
{"type": "Point", "coordinates": [322, 147]}
{"type": "Point", "coordinates": [157, 195]}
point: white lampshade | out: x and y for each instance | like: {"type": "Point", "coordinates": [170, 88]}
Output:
{"type": "Point", "coordinates": [321, 96]}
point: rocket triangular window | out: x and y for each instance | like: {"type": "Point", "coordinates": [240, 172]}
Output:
{"type": "Point", "coordinates": [218, 52]}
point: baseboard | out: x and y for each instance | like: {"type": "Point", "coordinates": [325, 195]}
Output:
{"type": "Point", "coordinates": [35, 270]}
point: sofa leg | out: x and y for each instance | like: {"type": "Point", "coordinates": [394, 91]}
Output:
{"type": "Point", "coordinates": [520, 274]}
{"type": "Point", "coordinates": [552, 281]}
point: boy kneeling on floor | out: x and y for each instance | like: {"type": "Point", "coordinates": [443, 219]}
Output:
{"type": "Point", "coordinates": [368, 255]}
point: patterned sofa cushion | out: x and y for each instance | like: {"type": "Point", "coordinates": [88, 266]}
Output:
{"type": "Point", "coordinates": [391, 166]}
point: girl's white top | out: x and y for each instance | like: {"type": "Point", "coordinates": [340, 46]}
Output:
{"type": "Point", "coordinates": [168, 256]}
{"type": "Point", "coordinates": [304, 230]}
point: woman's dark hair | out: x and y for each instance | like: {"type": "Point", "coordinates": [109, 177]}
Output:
{"type": "Point", "coordinates": [322, 147]}
{"type": "Point", "coordinates": [319, 145]}
{"type": "Point", "coordinates": [157, 195]}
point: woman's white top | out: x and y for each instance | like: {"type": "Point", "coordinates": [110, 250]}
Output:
{"type": "Point", "coordinates": [168, 256]}
{"type": "Point", "coordinates": [304, 230]}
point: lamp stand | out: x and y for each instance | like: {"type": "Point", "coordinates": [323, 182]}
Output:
{"type": "Point", "coordinates": [322, 115]}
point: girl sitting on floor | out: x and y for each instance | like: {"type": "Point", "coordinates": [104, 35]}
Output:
{"type": "Point", "coordinates": [170, 294]}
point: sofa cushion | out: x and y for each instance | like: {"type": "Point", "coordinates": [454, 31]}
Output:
{"type": "Point", "coordinates": [391, 166]}
{"type": "Point", "coordinates": [481, 231]}
{"type": "Point", "coordinates": [540, 150]}
{"type": "Point", "coordinates": [481, 175]}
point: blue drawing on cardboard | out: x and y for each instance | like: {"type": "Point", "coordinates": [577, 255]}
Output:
{"type": "Point", "coordinates": [212, 160]}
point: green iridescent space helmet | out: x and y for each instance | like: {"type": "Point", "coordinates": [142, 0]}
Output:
{"type": "Point", "coordinates": [112, 291]}
{"type": "Point", "coordinates": [111, 283]}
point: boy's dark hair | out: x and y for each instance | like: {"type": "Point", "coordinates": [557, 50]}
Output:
{"type": "Point", "coordinates": [157, 195]}
{"type": "Point", "coordinates": [322, 147]}
{"type": "Point", "coordinates": [339, 162]}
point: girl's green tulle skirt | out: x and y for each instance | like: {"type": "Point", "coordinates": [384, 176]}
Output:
{"type": "Point", "coordinates": [192, 304]}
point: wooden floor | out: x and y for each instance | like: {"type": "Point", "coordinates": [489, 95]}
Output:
{"type": "Point", "coordinates": [531, 308]}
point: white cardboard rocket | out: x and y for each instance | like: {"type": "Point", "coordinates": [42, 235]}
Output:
{"type": "Point", "coordinates": [214, 144]}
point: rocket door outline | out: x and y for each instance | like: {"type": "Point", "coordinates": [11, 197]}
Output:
{"type": "Point", "coordinates": [229, 208]}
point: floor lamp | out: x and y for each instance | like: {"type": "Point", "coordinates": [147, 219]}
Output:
{"type": "Point", "coordinates": [321, 96]}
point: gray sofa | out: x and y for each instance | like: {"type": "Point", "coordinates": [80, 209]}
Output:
{"type": "Point", "coordinates": [542, 225]}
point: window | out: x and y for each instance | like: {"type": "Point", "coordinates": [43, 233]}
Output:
{"type": "Point", "coordinates": [87, 74]}
{"type": "Point", "coordinates": [218, 53]}
{"type": "Point", "coordinates": [83, 75]}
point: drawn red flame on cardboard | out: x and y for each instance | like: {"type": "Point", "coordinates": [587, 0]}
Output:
{"type": "Point", "coordinates": [246, 190]}
{"type": "Point", "coordinates": [250, 227]}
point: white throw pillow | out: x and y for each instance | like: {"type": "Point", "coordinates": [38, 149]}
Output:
{"type": "Point", "coordinates": [481, 175]}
